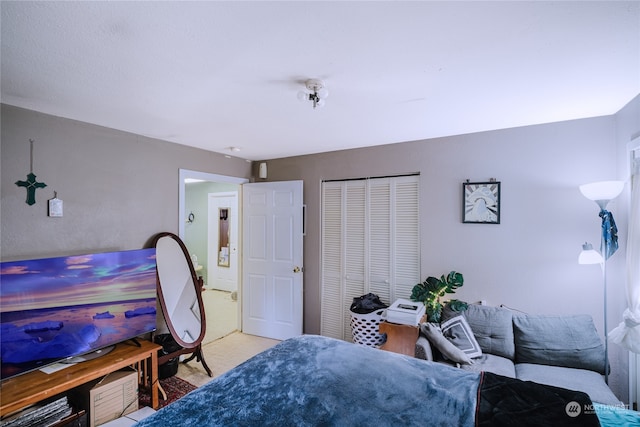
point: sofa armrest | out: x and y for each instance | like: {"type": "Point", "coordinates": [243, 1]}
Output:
{"type": "Point", "coordinates": [423, 348]}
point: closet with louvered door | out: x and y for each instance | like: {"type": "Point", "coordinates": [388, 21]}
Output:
{"type": "Point", "coordinates": [370, 243]}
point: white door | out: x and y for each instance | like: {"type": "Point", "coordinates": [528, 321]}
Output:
{"type": "Point", "coordinates": [223, 262]}
{"type": "Point", "coordinates": [272, 259]}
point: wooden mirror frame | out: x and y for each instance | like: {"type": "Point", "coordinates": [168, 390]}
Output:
{"type": "Point", "coordinates": [188, 346]}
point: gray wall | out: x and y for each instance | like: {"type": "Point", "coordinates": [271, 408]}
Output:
{"type": "Point", "coordinates": [119, 189]}
{"type": "Point", "coordinates": [529, 261]}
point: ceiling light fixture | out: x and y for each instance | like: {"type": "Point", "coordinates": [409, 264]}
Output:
{"type": "Point", "coordinates": [316, 92]}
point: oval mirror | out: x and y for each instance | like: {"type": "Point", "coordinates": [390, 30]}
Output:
{"type": "Point", "coordinates": [179, 293]}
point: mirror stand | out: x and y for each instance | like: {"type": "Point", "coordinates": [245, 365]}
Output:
{"type": "Point", "coordinates": [180, 299]}
{"type": "Point", "coordinates": [194, 352]}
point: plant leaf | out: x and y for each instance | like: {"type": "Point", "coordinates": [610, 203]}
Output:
{"type": "Point", "coordinates": [457, 305]}
{"type": "Point", "coordinates": [429, 292]}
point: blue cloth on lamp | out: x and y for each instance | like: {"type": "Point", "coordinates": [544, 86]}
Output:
{"type": "Point", "coordinates": [609, 234]}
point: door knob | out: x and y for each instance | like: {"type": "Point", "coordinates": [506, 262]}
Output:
{"type": "Point", "coordinates": [296, 269]}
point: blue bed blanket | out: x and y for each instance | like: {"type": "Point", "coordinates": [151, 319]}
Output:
{"type": "Point", "coordinates": [312, 381]}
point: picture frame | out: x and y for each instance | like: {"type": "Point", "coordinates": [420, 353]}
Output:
{"type": "Point", "coordinates": [481, 202]}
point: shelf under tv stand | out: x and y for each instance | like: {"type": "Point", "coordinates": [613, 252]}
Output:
{"type": "Point", "coordinates": [24, 390]}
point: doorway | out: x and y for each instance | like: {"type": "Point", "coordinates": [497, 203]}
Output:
{"type": "Point", "coordinates": [222, 248]}
{"type": "Point", "coordinates": [222, 310]}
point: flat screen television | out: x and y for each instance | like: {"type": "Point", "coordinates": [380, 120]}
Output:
{"type": "Point", "coordinates": [54, 309]}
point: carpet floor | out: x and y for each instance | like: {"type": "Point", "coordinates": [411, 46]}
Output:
{"type": "Point", "coordinates": [223, 355]}
{"type": "Point", "coordinates": [221, 314]}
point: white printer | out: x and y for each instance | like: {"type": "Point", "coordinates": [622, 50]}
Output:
{"type": "Point", "coordinates": [405, 312]}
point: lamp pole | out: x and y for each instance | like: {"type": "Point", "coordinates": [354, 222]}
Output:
{"type": "Point", "coordinates": [606, 333]}
{"type": "Point", "coordinates": [603, 204]}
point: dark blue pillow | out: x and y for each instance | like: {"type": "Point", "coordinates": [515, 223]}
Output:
{"type": "Point", "coordinates": [491, 326]}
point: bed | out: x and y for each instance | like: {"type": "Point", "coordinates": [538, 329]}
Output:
{"type": "Point", "coordinates": [312, 380]}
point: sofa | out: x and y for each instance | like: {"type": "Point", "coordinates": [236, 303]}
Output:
{"type": "Point", "coordinates": [562, 351]}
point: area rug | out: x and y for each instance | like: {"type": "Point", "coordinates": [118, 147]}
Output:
{"type": "Point", "coordinates": [174, 388]}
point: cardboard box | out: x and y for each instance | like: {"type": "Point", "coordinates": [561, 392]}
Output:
{"type": "Point", "coordinates": [111, 397]}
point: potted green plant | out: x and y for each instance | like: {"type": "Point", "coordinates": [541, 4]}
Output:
{"type": "Point", "coordinates": [432, 289]}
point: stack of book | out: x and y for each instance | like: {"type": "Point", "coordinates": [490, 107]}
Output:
{"type": "Point", "coordinates": [405, 312]}
{"type": "Point", "coordinates": [57, 412]}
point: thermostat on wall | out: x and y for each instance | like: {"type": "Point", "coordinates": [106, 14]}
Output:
{"type": "Point", "coordinates": [55, 206]}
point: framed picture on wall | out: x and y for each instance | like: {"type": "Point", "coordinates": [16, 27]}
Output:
{"type": "Point", "coordinates": [481, 202]}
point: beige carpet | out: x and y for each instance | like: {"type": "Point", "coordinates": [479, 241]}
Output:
{"type": "Point", "coordinates": [221, 314]}
{"type": "Point", "coordinates": [222, 355]}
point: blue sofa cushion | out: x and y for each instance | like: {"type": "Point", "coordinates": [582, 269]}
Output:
{"type": "Point", "coordinates": [491, 326]}
{"type": "Point", "coordinates": [570, 341]}
{"type": "Point", "coordinates": [584, 380]}
{"type": "Point", "coordinates": [491, 363]}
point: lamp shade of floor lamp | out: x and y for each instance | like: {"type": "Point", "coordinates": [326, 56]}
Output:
{"type": "Point", "coordinates": [602, 192]}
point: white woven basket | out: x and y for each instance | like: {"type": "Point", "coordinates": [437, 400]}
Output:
{"type": "Point", "coordinates": [365, 328]}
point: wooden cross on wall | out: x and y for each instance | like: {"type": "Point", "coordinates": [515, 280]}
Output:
{"type": "Point", "coordinates": [31, 184]}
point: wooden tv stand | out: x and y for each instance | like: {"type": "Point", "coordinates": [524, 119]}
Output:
{"type": "Point", "coordinates": [19, 392]}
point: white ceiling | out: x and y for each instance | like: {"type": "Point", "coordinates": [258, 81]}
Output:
{"type": "Point", "coordinates": [215, 74]}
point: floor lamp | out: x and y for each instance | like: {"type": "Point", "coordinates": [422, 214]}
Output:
{"type": "Point", "coordinates": [602, 193]}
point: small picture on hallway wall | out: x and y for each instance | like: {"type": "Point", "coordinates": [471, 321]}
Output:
{"type": "Point", "coordinates": [481, 202]}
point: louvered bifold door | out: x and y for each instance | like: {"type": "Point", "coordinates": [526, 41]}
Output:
{"type": "Point", "coordinates": [406, 236]}
{"type": "Point", "coordinates": [331, 318]}
{"type": "Point", "coordinates": [370, 243]}
{"type": "Point", "coordinates": [354, 250]}
{"type": "Point", "coordinates": [379, 245]}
